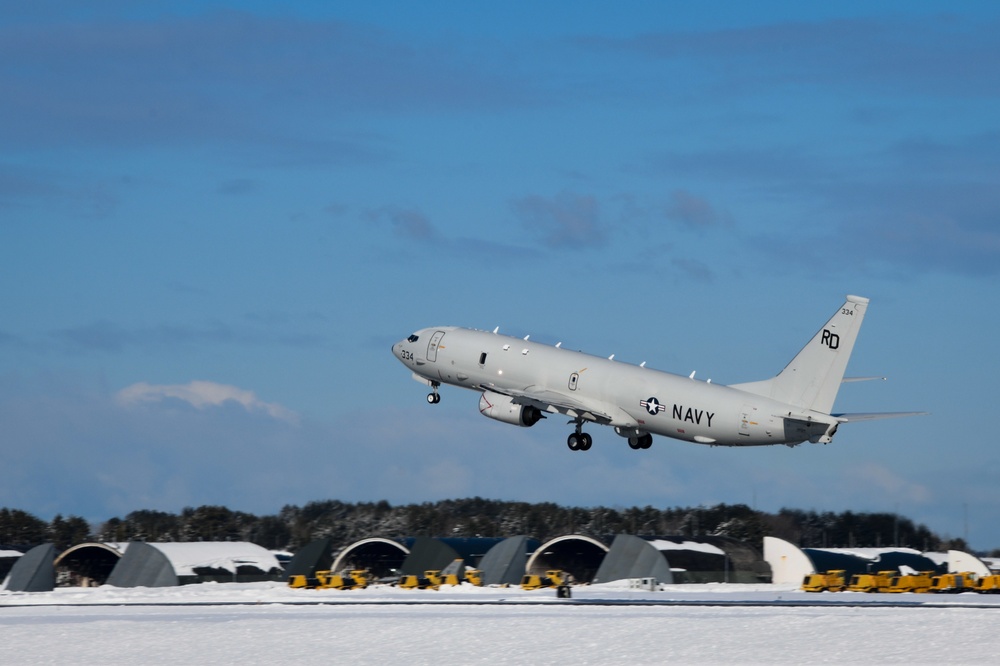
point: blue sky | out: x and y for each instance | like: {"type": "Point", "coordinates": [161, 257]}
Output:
{"type": "Point", "coordinates": [216, 218]}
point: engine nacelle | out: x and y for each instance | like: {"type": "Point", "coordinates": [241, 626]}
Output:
{"type": "Point", "coordinates": [629, 432]}
{"type": "Point", "coordinates": [503, 408]}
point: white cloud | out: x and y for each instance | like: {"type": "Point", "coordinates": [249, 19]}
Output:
{"type": "Point", "coordinates": [874, 476]}
{"type": "Point", "coordinates": [201, 395]}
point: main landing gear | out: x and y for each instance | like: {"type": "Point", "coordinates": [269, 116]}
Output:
{"type": "Point", "coordinates": [643, 442]}
{"type": "Point", "coordinates": [434, 397]}
{"type": "Point", "coordinates": [579, 440]}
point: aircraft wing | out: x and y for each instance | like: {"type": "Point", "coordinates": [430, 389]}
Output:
{"type": "Point", "coordinates": [850, 418]}
{"type": "Point", "coordinates": [553, 401]}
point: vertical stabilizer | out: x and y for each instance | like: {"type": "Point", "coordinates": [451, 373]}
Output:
{"type": "Point", "coordinates": [813, 377]}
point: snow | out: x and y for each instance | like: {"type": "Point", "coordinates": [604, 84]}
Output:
{"type": "Point", "coordinates": [874, 553]}
{"type": "Point", "coordinates": [661, 544]}
{"type": "Point", "coordinates": [225, 555]}
{"type": "Point", "coordinates": [601, 624]}
{"type": "Point", "coordinates": [938, 558]}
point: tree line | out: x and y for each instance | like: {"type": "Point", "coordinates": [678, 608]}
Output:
{"type": "Point", "coordinates": [346, 522]}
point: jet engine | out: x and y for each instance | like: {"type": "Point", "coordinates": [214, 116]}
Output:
{"type": "Point", "coordinates": [502, 408]}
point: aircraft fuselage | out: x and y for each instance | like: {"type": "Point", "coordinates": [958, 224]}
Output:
{"type": "Point", "coordinates": [634, 400]}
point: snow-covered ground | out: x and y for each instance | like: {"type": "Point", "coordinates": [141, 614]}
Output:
{"type": "Point", "coordinates": [465, 625]}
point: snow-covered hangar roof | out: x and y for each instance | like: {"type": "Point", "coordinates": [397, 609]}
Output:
{"type": "Point", "coordinates": [158, 564]}
{"type": "Point", "coordinates": [234, 557]}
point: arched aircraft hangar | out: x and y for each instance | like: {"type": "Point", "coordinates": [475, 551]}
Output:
{"type": "Point", "coordinates": [673, 559]}
{"type": "Point", "coordinates": [383, 557]}
{"type": "Point", "coordinates": [577, 554]}
{"type": "Point", "coordinates": [89, 564]}
{"type": "Point", "coordinates": [501, 560]}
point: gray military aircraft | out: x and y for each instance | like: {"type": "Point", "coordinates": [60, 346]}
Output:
{"type": "Point", "coordinates": [522, 381]}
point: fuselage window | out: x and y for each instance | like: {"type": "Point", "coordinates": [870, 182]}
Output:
{"type": "Point", "coordinates": [573, 380]}
{"type": "Point", "coordinates": [482, 359]}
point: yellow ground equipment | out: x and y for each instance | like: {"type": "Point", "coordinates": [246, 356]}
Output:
{"type": "Point", "coordinates": [953, 583]}
{"type": "Point", "coordinates": [431, 580]}
{"type": "Point", "coordinates": [552, 578]}
{"type": "Point", "coordinates": [876, 582]}
{"type": "Point", "coordinates": [988, 584]}
{"type": "Point", "coordinates": [356, 579]}
{"type": "Point", "coordinates": [920, 582]}
{"type": "Point", "coordinates": [832, 581]}
{"type": "Point", "coordinates": [455, 573]}
{"type": "Point", "coordinates": [299, 581]}
{"type": "Point", "coordinates": [408, 582]}
{"type": "Point", "coordinates": [471, 576]}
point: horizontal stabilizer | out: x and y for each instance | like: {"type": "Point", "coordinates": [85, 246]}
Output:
{"type": "Point", "coordinates": [874, 416]}
{"type": "Point", "coordinates": [849, 380]}
{"type": "Point", "coordinates": [809, 417]}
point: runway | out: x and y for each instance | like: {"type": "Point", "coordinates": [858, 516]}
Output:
{"type": "Point", "coordinates": [448, 632]}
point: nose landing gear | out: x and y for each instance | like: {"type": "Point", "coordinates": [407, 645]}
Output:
{"type": "Point", "coordinates": [434, 397]}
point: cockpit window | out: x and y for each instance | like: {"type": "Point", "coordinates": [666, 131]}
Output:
{"type": "Point", "coordinates": [413, 338]}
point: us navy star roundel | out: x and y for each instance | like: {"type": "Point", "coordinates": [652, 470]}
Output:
{"type": "Point", "coordinates": [652, 406]}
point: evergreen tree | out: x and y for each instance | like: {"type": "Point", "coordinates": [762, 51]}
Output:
{"type": "Point", "coordinates": [20, 528]}
{"type": "Point", "coordinates": [293, 526]}
{"type": "Point", "coordinates": [71, 531]}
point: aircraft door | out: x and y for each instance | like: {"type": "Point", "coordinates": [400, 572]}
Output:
{"type": "Point", "coordinates": [433, 345]}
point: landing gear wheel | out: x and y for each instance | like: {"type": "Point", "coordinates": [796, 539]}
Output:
{"type": "Point", "coordinates": [579, 440]}
{"type": "Point", "coordinates": [643, 442]}
{"type": "Point", "coordinates": [433, 398]}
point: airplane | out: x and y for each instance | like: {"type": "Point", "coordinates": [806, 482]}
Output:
{"type": "Point", "coordinates": [521, 382]}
